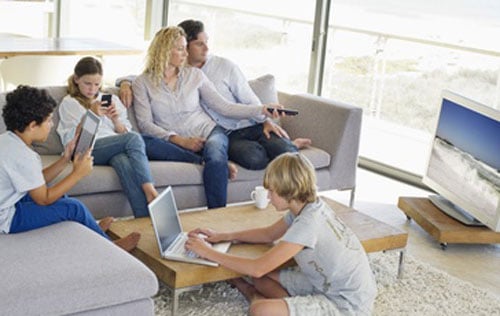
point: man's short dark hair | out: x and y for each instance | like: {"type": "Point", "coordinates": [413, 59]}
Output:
{"type": "Point", "coordinates": [192, 29]}
{"type": "Point", "coordinates": [26, 104]}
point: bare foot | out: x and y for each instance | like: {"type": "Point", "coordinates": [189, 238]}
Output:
{"type": "Point", "coordinates": [301, 142]}
{"type": "Point", "coordinates": [233, 170]}
{"type": "Point", "coordinates": [105, 223]}
{"type": "Point", "coordinates": [128, 242]}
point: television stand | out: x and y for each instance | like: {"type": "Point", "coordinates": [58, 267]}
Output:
{"type": "Point", "coordinates": [442, 227]}
{"type": "Point", "coordinates": [454, 211]}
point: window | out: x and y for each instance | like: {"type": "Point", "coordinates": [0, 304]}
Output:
{"type": "Point", "coordinates": [393, 58]}
{"type": "Point", "coordinates": [260, 36]}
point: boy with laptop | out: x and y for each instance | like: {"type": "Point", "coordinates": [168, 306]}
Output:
{"type": "Point", "coordinates": [332, 276]}
{"type": "Point", "coordinates": [26, 201]}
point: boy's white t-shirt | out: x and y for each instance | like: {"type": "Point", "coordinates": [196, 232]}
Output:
{"type": "Point", "coordinates": [333, 258]}
{"type": "Point", "coordinates": [21, 170]}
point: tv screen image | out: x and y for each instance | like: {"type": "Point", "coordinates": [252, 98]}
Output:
{"type": "Point", "coordinates": [464, 163]}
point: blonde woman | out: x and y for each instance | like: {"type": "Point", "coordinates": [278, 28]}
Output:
{"type": "Point", "coordinates": [167, 99]}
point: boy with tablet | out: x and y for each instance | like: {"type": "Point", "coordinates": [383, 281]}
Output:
{"type": "Point", "coordinates": [26, 202]}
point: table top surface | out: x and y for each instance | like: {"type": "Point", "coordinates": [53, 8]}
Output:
{"type": "Point", "coordinates": [373, 234]}
{"type": "Point", "coordinates": [14, 46]}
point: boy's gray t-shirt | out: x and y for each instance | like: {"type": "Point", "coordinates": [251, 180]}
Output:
{"type": "Point", "coordinates": [20, 171]}
{"type": "Point", "coordinates": [333, 258]}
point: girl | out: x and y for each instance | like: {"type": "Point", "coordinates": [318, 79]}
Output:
{"type": "Point", "coordinates": [116, 144]}
{"type": "Point", "coordinates": [26, 202]}
{"type": "Point", "coordinates": [332, 276]}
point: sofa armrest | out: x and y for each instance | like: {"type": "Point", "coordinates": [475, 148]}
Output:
{"type": "Point", "coordinates": [66, 268]}
{"type": "Point", "coordinates": [332, 126]}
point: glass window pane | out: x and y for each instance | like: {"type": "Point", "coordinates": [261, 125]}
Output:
{"type": "Point", "coordinates": [260, 36]}
{"type": "Point", "coordinates": [34, 14]}
{"type": "Point", "coordinates": [393, 58]}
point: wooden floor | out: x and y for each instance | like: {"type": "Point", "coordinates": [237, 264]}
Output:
{"type": "Point", "coordinates": [377, 196]}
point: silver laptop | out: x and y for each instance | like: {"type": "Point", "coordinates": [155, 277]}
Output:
{"type": "Point", "coordinates": [169, 234]}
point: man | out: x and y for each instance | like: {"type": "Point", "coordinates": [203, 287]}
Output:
{"type": "Point", "coordinates": [252, 144]}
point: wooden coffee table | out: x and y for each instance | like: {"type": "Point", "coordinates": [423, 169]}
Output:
{"type": "Point", "coordinates": [181, 277]}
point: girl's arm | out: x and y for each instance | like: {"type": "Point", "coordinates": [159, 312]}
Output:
{"type": "Point", "coordinates": [118, 115]}
{"type": "Point", "coordinates": [82, 166]}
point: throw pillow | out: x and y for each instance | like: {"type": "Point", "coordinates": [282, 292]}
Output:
{"type": "Point", "coordinates": [264, 88]}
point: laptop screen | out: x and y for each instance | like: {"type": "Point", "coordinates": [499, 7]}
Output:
{"type": "Point", "coordinates": [163, 212]}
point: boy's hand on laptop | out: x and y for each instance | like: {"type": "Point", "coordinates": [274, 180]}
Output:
{"type": "Point", "coordinates": [207, 234]}
{"type": "Point", "coordinates": [198, 245]}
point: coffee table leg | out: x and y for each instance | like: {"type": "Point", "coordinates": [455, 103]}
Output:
{"type": "Point", "coordinates": [179, 291]}
{"type": "Point", "coordinates": [401, 263]}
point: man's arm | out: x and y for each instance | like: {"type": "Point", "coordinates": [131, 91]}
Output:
{"type": "Point", "coordinates": [125, 85]}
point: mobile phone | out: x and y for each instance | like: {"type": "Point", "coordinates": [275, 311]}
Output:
{"type": "Point", "coordinates": [286, 111]}
{"type": "Point", "coordinates": [107, 99]}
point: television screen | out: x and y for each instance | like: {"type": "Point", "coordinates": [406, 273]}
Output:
{"type": "Point", "coordinates": [464, 162]}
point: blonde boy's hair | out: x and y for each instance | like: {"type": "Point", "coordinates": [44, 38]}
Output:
{"type": "Point", "coordinates": [292, 176]}
{"type": "Point", "coordinates": [159, 51]}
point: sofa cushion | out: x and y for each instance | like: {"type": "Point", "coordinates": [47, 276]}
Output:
{"type": "Point", "coordinates": [264, 88]}
{"type": "Point", "coordinates": [67, 268]}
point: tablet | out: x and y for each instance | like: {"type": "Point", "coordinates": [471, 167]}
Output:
{"type": "Point", "coordinates": [86, 139]}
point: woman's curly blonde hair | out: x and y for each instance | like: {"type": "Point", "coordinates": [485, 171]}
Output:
{"type": "Point", "coordinates": [159, 51]}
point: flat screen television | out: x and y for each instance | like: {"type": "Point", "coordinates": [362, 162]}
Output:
{"type": "Point", "coordinates": [464, 161]}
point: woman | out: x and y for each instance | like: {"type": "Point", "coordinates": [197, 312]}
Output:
{"type": "Point", "coordinates": [116, 144]}
{"type": "Point", "coordinates": [167, 99]}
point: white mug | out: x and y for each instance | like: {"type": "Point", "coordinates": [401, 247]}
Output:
{"type": "Point", "coordinates": [259, 196]}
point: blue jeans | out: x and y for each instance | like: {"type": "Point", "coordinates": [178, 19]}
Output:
{"type": "Point", "coordinates": [160, 149]}
{"type": "Point", "coordinates": [215, 171]}
{"type": "Point", "coordinates": [251, 149]}
{"type": "Point", "coordinates": [127, 155]}
{"type": "Point", "coordinates": [29, 215]}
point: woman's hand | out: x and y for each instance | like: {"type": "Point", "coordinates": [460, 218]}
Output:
{"type": "Point", "coordinates": [274, 114]}
{"type": "Point", "coordinates": [194, 144]}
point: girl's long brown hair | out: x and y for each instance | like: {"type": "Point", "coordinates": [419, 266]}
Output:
{"type": "Point", "coordinates": [85, 66]}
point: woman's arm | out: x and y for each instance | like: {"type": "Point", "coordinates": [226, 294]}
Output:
{"type": "Point", "coordinates": [144, 112]}
{"type": "Point", "coordinates": [70, 115]}
{"type": "Point", "coordinates": [214, 100]}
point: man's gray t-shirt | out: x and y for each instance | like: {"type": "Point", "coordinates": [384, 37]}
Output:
{"type": "Point", "coordinates": [333, 258]}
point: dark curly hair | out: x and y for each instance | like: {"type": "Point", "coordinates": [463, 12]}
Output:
{"type": "Point", "coordinates": [26, 104]}
{"type": "Point", "coordinates": [192, 29]}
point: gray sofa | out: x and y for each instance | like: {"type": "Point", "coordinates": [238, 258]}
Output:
{"type": "Point", "coordinates": [334, 128]}
{"type": "Point", "coordinates": [66, 269]}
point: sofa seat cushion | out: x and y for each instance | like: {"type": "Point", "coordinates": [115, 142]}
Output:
{"type": "Point", "coordinates": [67, 268]}
{"type": "Point", "coordinates": [104, 178]}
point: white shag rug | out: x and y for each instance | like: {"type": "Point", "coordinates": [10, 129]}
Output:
{"type": "Point", "coordinates": [423, 290]}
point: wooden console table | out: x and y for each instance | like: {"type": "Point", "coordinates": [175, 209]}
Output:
{"type": "Point", "coordinates": [442, 227]}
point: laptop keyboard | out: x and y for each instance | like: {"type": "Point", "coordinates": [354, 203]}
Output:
{"type": "Point", "coordinates": [178, 247]}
